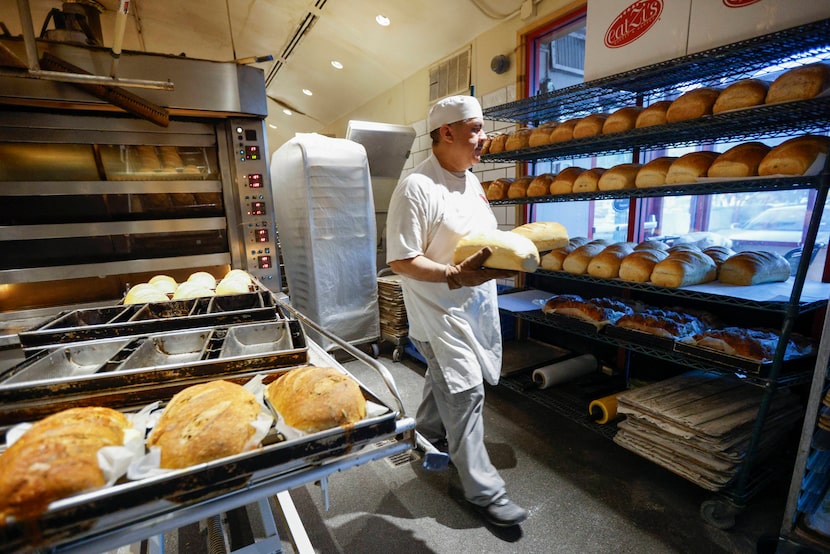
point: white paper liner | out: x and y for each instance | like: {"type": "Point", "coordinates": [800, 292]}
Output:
{"type": "Point", "coordinates": [149, 464]}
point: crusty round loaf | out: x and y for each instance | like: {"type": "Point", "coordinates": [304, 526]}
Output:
{"type": "Point", "coordinates": [564, 131]}
{"type": "Point", "coordinates": [688, 167]}
{"type": "Point", "coordinates": [57, 458]}
{"type": "Point", "coordinates": [590, 125]}
{"type": "Point", "coordinates": [794, 156]}
{"type": "Point", "coordinates": [799, 83]}
{"type": "Point", "coordinates": [693, 104]}
{"type": "Point", "coordinates": [654, 114]}
{"type": "Point", "coordinates": [205, 422]}
{"type": "Point", "coordinates": [621, 176]}
{"type": "Point", "coordinates": [313, 398]}
{"type": "Point", "coordinates": [546, 235]}
{"type": "Point", "coordinates": [509, 251]}
{"type": "Point", "coordinates": [588, 181]}
{"type": "Point", "coordinates": [753, 268]}
{"type": "Point", "coordinates": [498, 189]}
{"type": "Point", "coordinates": [563, 183]}
{"type": "Point", "coordinates": [623, 119]}
{"type": "Point", "coordinates": [739, 161]}
{"type": "Point", "coordinates": [540, 185]}
{"type": "Point", "coordinates": [518, 139]}
{"type": "Point", "coordinates": [518, 188]}
{"type": "Point", "coordinates": [653, 173]}
{"type": "Point", "coordinates": [541, 134]}
{"type": "Point", "coordinates": [741, 94]}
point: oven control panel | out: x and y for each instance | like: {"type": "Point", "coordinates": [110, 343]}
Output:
{"type": "Point", "coordinates": [256, 227]}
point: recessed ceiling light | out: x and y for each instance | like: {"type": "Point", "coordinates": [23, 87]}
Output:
{"type": "Point", "coordinates": [382, 20]}
{"type": "Point", "coordinates": [286, 111]}
{"type": "Point", "coordinates": [336, 65]}
{"type": "Point", "coordinates": [273, 126]}
{"type": "Point", "coordinates": [307, 92]}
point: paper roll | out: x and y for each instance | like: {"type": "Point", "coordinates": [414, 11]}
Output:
{"type": "Point", "coordinates": [562, 372]}
{"type": "Point", "coordinates": [602, 410]}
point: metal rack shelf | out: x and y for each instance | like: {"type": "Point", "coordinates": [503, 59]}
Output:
{"type": "Point", "coordinates": [714, 67]}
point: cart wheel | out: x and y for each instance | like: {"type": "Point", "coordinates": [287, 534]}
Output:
{"type": "Point", "coordinates": [375, 350]}
{"type": "Point", "coordinates": [397, 354]}
{"type": "Point", "coordinates": [718, 513]}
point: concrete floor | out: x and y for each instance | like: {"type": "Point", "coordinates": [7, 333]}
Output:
{"type": "Point", "coordinates": [584, 493]}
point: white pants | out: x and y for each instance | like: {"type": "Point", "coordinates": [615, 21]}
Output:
{"type": "Point", "coordinates": [459, 418]}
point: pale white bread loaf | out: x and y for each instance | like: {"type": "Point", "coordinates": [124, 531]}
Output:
{"type": "Point", "coordinates": [518, 139]}
{"type": "Point", "coordinates": [688, 167]}
{"type": "Point", "coordinates": [799, 83]}
{"type": "Point", "coordinates": [588, 180]}
{"type": "Point", "coordinates": [741, 94]}
{"type": "Point", "coordinates": [653, 173]}
{"type": "Point", "coordinates": [229, 285]}
{"type": "Point", "coordinates": [510, 250]}
{"type": "Point", "coordinates": [144, 293]}
{"type": "Point", "coordinates": [564, 131]}
{"type": "Point", "coordinates": [590, 125]}
{"type": "Point", "coordinates": [164, 283]}
{"type": "Point", "coordinates": [754, 268]}
{"type": "Point", "coordinates": [637, 266]}
{"type": "Point", "coordinates": [563, 183]}
{"type": "Point", "coordinates": [518, 188]}
{"type": "Point", "coordinates": [552, 261]}
{"type": "Point", "coordinates": [654, 114]}
{"type": "Point", "coordinates": [498, 189]}
{"type": "Point", "coordinates": [621, 176]}
{"type": "Point", "coordinates": [540, 185]}
{"type": "Point", "coordinates": [693, 104]}
{"type": "Point", "coordinates": [652, 245]}
{"type": "Point", "coordinates": [577, 261]}
{"type": "Point", "coordinates": [239, 275]}
{"type": "Point", "coordinates": [794, 156]}
{"type": "Point", "coordinates": [606, 264]}
{"type": "Point", "coordinates": [497, 143]}
{"type": "Point", "coordinates": [739, 161]}
{"type": "Point", "coordinates": [623, 119]}
{"type": "Point", "coordinates": [541, 135]}
{"type": "Point", "coordinates": [719, 254]}
{"type": "Point", "coordinates": [202, 278]}
{"type": "Point", "coordinates": [190, 290]}
{"type": "Point", "coordinates": [682, 268]}
{"type": "Point", "coordinates": [546, 235]}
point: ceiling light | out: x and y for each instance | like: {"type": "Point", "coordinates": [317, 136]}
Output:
{"type": "Point", "coordinates": [307, 92]}
{"type": "Point", "coordinates": [336, 65]}
{"type": "Point", "coordinates": [273, 126]}
{"type": "Point", "coordinates": [286, 111]}
{"type": "Point", "coordinates": [382, 20]}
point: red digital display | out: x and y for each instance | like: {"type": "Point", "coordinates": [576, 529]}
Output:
{"type": "Point", "coordinates": [261, 235]}
{"type": "Point", "coordinates": [264, 262]}
{"type": "Point", "coordinates": [255, 180]}
{"type": "Point", "coordinates": [257, 208]}
{"type": "Point", "coordinates": [252, 152]}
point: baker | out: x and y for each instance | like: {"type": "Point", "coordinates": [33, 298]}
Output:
{"type": "Point", "coordinates": [452, 308]}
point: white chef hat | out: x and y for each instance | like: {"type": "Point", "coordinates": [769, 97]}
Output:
{"type": "Point", "coordinates": [451, 109]}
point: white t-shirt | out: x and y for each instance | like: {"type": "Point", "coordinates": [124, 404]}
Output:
{"type": "Point", "coordinates": [430, 210]}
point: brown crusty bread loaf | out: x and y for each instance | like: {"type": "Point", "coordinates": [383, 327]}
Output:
{"type": "Point", "coordinates": [719, 254]}
{"type": "Point", "coordinates": [497, 143]}
{"type": "Point", "coordinates": [552, 261]}
{"type": "Point", "coordinates": [589, 126]}
{"type": "Point", "coordinates": [541, 134]}
{"type": "Point", "coordinates": [652, 245]}
{"type": "Point", "coordinates": [577, 261]}
{"type": "Point", "coordinates": [621, 176]}
{"type": "Point", "coordinates": [654, 114]}
{"type": "Point", "coordinates": [205, 422]}
{"type": "Point", "coordinates": [545, 235]}
{"type": "Point", "coordinates": [739, 161]}
{"type": "Point", "coordinates": [688, 167]}
{"type": "Point", "coordinates": [588, 181]}
{"type": "Point", "coordinates": [313, 398]}
{"type": "Point", "coordinates": [682, 268]}
{"type": "Point", "coordinates": [518, 139]}
{"type": "Point", "coordinates": [499, 188]}
{"type": "Point", "coordinates": [606, 264]}
{"type": "Point", "coordinates": [638, 266]}
{"type": "Point", "coordinates": [799, 83]}
{"type": "Point", "coordinates": [540, 185]}
{"type": "Point", "coordinates": [693, 104]}
{"type": "Point", "coordinates": [794, 156]}
{"type": "Point", "coordinates": [753, 268]}
{"type": "Point", "coordinates": [563, 183]}
{"type": "Point", "coordinates": [653, 174]}
{"type": "Point", "coordinates": [741, 94]}
{"type": "Point", "coordinates": [510, 251]}
{"type": "Point", "coordinates": [57, 458]}
{"type": "Point", "coordinates": [623, 119]}
{"type": "Point", "coordinates": [485, 148]}
{"type": "Point", "coordinates": [564, 131]}
{"type": "Point", "coordinates": [518, 188]}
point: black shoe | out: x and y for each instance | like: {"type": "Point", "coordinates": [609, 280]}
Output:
{"type": "Point", "coordinates": [503, 512]}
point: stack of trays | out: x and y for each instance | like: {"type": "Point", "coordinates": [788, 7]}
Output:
{"type": "Point", "coordinates": [393, 321]}
{"type": "Point", "coordinates": [814, 497]}
{"type": "Point", "coordinates": [698, 425]}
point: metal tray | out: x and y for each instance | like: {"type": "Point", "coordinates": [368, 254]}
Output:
{"type": "Point", "coordinates": [748, 365]}
{"type": "Point", "coordinates": [134, 506]}
{"type": "Point", "coordinates": [640, 337]}
{"type": "Point", "coordinates": [143, 319]}
{"type": "Point", "coordinates": [110, 371]}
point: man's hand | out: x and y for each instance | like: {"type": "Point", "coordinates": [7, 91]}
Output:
{"type": "Point", "coordinates": [470, 273]}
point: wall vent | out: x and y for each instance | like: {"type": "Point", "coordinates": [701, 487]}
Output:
{"type": "Point", "coordinates": [450, 76]}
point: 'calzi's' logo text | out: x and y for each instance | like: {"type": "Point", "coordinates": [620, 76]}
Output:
{"type": "Point", "coordinates": [633, 22]}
